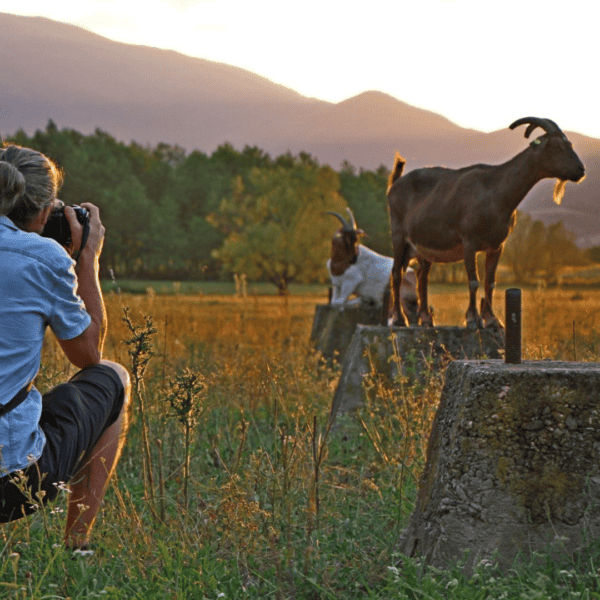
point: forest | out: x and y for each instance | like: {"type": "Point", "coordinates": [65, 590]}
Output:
{"type": "Point", "coordinates": [182, 216]}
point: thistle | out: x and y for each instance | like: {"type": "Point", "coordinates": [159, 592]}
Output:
{"type": "Point", "coordinates": [184, 394]}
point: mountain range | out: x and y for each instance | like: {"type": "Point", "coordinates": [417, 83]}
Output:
{"type": "Point", "coordinates": [51, 70]}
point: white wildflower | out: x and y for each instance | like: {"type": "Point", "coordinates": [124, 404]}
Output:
{"type": "Point", "coordinates": [61, 485]}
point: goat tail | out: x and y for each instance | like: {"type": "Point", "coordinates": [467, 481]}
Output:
{"type": "Point", "coordinates": [397, 169]}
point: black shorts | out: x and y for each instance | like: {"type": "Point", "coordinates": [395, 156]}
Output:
{"type": "Point", "coordinates": [74, 417]}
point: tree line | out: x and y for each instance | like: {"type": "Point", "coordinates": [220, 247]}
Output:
{"type": "Point", "coordinates": [192, 216]}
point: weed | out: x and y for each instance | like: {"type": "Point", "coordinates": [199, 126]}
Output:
{"type": "Point", "coordinates": [184, 393]}
{"type": "Point", "coordinates": [236, 489]}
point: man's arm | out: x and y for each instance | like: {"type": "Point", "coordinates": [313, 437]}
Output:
{"type": "Point", "coordinates": [86, 349]}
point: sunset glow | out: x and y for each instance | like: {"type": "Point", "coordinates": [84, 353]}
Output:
{"type": "Point", "coordinates": [480, 64]}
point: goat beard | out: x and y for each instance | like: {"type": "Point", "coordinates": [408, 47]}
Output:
{"type": "Point", "coordinates": [559, 190]}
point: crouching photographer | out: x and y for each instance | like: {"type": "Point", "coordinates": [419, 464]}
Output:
{"type": "Point", "coordinates": [73, 433]}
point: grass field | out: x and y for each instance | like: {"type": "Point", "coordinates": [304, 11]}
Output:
{"type": "Point", "coordinates": [230, 485]}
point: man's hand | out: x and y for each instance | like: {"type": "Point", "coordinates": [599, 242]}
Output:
{"type": "Point", "coordinates": [95, 241]}
{"type": "Point", "coordinates": [86, 348]}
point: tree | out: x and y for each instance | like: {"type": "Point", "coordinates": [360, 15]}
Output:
{"type": "Point", "coordinates": [273, 220]}
{"type": "Point", "coordinates": [594, 254]}
{"type": "Point", "coordinates": [523, 248]}
{"type": "Point", "coordinates": [365, 193]}
{"type": "Point", "coordinates": [155, 168]}
{"type": "Point", "coordinates": [532, 249]}
{"type": "Point", "coordinates": [127, 218]}
{"type": "Point", "coordinates": [561, 251]}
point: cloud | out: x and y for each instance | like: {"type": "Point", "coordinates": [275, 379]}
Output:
{"type": "Point", "coordinates": [185, 4]}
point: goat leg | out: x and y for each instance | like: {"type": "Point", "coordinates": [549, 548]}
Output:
{"type": "Point", "coordinates": [397, 318]}
{"type": "Point", "coordinates": [473, 318]}
{"type": "Point", "coordinates": [425, 316]}
{"type": "Point", "coordinates": [487, 313]}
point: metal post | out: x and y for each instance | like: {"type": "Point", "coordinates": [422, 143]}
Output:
{"type": "Point", "coordinates": [513, 327]}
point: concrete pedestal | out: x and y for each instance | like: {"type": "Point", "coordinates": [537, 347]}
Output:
{"type": "Point", "coordinates": [334, 326]}
{"type": "Point", "coordinates": [513, 464]}
{"type": "Point", "coordinates": [385, 351]}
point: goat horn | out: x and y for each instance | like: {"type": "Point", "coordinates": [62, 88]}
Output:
{"type": "Point", "coordinates": [546, 124]}
{"type": "Point", "coordinates": [352, 220]}
{"type": "Point", "coordinates": [345, 225]}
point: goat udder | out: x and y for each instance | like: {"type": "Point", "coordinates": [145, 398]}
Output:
{"type": "Point", "coordinates": [449, 255]}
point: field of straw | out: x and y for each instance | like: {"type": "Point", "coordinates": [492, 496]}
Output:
{"type": "Point", "coordinates": [231, 485]}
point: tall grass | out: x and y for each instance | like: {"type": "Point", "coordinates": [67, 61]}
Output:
{"type": "Point", "coordinates": [231, 485]}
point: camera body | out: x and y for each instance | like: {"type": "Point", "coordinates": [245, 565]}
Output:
{"type": "Point", "coordinates": [57, 227]}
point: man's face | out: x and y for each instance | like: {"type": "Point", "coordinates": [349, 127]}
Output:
{"type": "Point", "coordinates": [37, 225]}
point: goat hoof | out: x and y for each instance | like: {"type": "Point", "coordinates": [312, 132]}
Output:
{"type": "Point", "coordinates": [474, 325]}
{"type": "Point", "coordinates": [425, 319]}
{"type": "Point", "coordinates": [397, 323]}
{"type": "Point", "coordinates": [493, 324]}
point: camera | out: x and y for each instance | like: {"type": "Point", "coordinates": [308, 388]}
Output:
{"type": "Point", "coordinates": [57, 227]}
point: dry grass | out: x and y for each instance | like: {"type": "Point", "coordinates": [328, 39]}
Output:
{"type": "Point", "coordinates": [551, 320]}
{"type": "Point", "coordinates": [267, 321]}
{"type": "Point", "coordinates": [257, 322]}
{"type": "Point", "coordinates": [253, 497]}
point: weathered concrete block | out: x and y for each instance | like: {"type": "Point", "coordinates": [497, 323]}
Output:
{"type": "Point", "coordinates": [387, 350]}
{"type": "Point", "coordinates": [513, 464]}
{"type": "Point", "coordinates": [334, 326]}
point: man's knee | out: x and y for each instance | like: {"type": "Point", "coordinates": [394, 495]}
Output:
{"type": "Point", "coordinates": [121, 371]}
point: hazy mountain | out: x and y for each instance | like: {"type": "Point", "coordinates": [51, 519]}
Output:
{"type": "Point", "coordinates": [83, 81]}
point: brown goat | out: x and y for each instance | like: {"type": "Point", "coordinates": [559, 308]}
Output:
{"type": "Point", "coordinates": [447, 215]}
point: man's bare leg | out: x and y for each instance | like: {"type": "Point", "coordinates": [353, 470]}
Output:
{"type": "Point", "coordinates": [90, 482]}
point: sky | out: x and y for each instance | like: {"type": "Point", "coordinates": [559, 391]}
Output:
{"type": "Point", "coordinates": [482, 64]}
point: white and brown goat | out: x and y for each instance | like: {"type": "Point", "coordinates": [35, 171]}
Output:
{"type": "Point", "coordinates": [359, 271]}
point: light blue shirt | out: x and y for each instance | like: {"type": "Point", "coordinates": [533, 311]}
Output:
{"type": "Point", "coordinates": [37, 289]}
